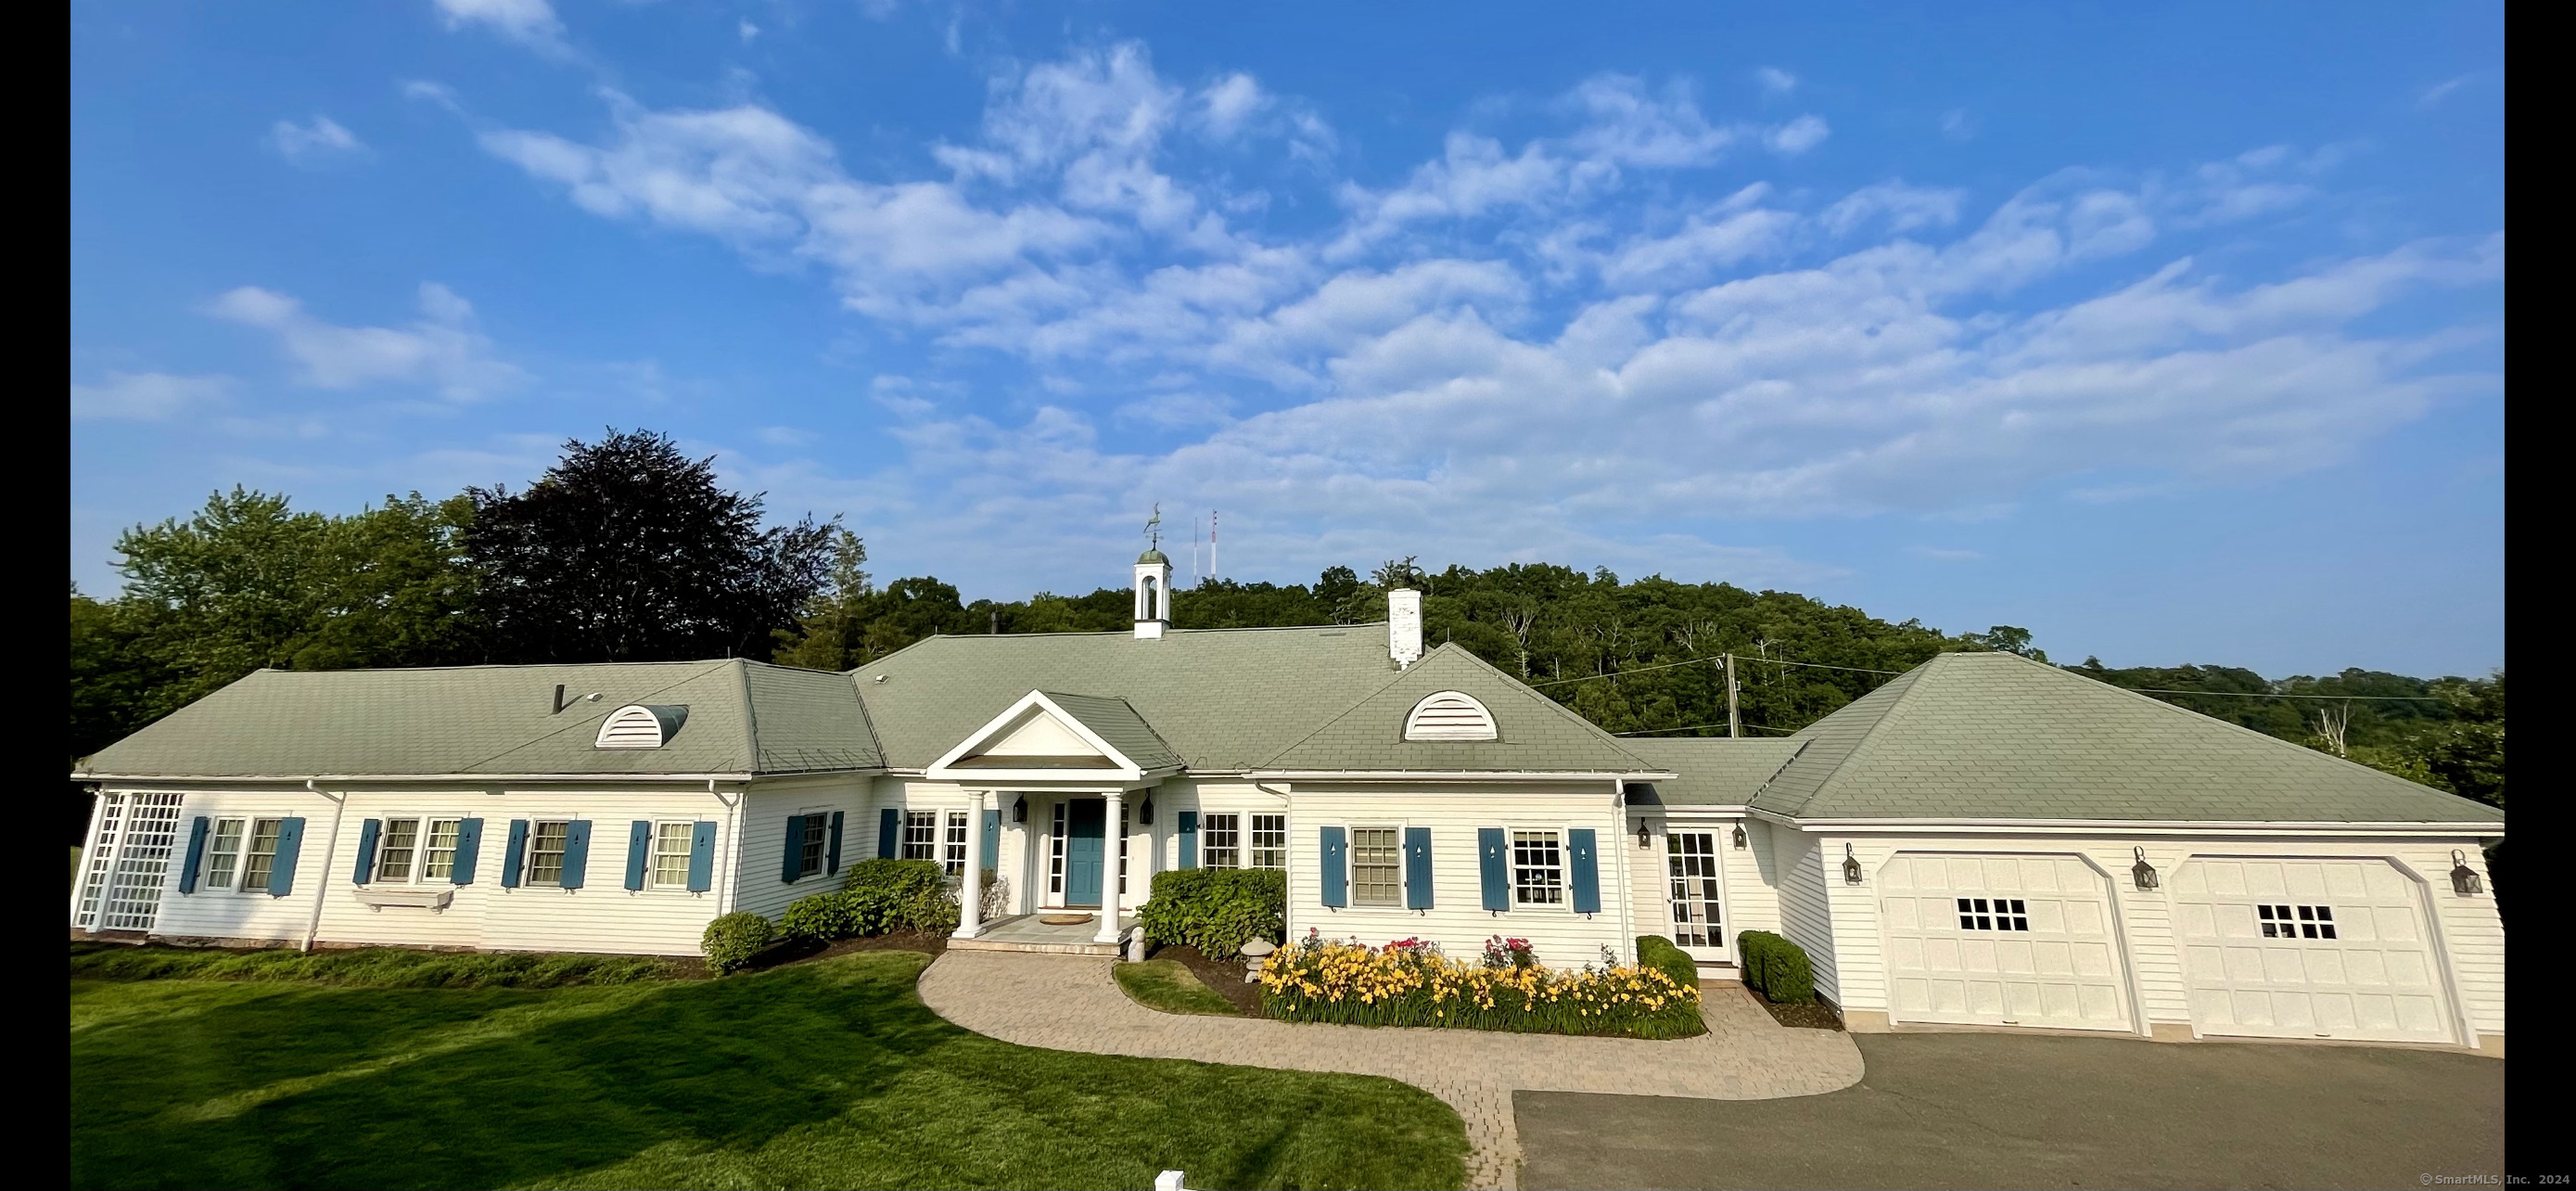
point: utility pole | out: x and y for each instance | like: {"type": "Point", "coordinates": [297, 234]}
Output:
{"type": "Point", "coordinates": [1734, 723]}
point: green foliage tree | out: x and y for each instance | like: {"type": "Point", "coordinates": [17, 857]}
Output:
{"type": "Point", "coordinates": [629, 551]}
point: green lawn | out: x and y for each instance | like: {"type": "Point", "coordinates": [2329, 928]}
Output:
{"type": "Point", "coordinates": [1169, 985]}
{"type": "Point", "coordinates": [828, 1074]}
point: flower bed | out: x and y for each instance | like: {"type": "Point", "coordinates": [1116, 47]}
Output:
{"type": "Point", "coordinates": [1410, 983]}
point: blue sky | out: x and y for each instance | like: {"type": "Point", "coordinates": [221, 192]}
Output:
{"type": "Point", "coordinates": [2174, 334]}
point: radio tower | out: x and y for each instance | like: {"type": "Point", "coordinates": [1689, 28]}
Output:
{"type": "Point", "coordinates": [1211, 543]}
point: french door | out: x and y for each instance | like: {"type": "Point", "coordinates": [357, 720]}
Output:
{"type": "Point", "coordinates": [1691, 878]}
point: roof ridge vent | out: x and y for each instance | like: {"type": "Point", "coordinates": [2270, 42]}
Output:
{"type": "Point", "coordinates": [641, 726]}
{"type": "Point", "coordinates": [1449, 715]}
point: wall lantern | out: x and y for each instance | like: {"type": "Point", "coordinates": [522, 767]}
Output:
{"type": "Point", "coordinates": [2143, 872]}
{"type": "Point", "coordinates": [2464, 880]}
{"type": "Point", "coordinates": [1739, 837]}
{"type": "Point", "coordinates": [1145, 810]}
{"type": "Point", "coordinates": [1020, 810]}
{"type": "Point", "coordinates": [1851, 866]}
{"type": "Point", "coordinates": [1645, 834]}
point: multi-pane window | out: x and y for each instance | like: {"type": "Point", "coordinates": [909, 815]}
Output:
{"type": "Point", "coordinates": [1538, 868]}
{"type": "Point", "coordinates": [395, 851]}
{"type": "Point", "coordinates": [953, 854]}
{"type": "Point", "coordinates": [1221, 841]}
{"type": "Point", "coordinates": [921, 835]}
{"type": "Point", "coordinates": [1123, 812]}
{"type": "Point", "coordinates": [671, 842]}
{"type": "Point", "coordinates": [223, 853]}
{"type": "Point", "coordinates": [1377, 867]}
{"type": "Point", "coordinates": [1690, 861]}
{"type": "Point", "coordinates": [1055, 852]}
{"type": "Point", "coordinates": [260, 858]}
{"type": "Point", "coordinates": [546, 851]}
{"type": "Point", "coordinates": [1269, 842]}
{"type": "Point", "coordinates": [438, 852]}
{"type": "Point", "coordinates": [1999, 913]}
{"type": "Point", "coordinates": [809, 851]}
{"type": "Point", "coordinates": [2312, 922]}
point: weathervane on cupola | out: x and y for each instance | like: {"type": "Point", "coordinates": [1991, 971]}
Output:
{"type": "Point", "coordinates": [1153, 582]}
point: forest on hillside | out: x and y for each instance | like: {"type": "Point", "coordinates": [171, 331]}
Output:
{"type": "Point", "coordinates": [627, 550]}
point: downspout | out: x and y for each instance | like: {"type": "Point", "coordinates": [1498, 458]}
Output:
{"type": "Point", "coordinates": [1627, 881]}
{"type": "Point", "coordinates": [733, 831]}
{"type": "Point", "coordinates": [330, 853]}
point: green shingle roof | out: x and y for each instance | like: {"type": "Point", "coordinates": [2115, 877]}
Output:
{"type": "Point", "coordinates": [1115, 721]}
{"type": "Point", "coordinates": [744, 717]}
{"type": "Point", "coordinates": [1714, 770]}
{"type": "Point", "coordinates": [1221, 699]}
{"type": "Point", "coordinates": [1995, 736]}
{"type": "Point", "coordinates": [1537, 734]}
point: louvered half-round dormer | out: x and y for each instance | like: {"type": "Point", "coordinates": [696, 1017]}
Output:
{"type": "Point", "coordinates": [641, 726]}
{"type": "Point", "coordinates": [1449, 715]}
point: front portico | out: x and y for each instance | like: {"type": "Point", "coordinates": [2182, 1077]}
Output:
{"type": "Point", "coordinates": [1068, 766]}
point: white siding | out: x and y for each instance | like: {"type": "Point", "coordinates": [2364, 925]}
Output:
{"type": "Point", "coordinates": [1749, 875]}
{"type": "Point", "coordinates": [1458, 921]}
{"type": "Point", "coordinates": [761, 852]}
{"type": "Point", "coordinates": [1847, 943]}
{"type": "Point", "coordinates": [229, 914]}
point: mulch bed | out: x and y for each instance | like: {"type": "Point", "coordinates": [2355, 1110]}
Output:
{"type": "Point", "coordinates": [1811, 1015]}
{"type": "Point", "coordinates": [801, 951]}
{"type": "Point", "coordinates": [1225, 976]}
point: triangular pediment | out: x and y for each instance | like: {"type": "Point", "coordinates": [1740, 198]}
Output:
{"type": "Point", "coordinates": [1067, 737]}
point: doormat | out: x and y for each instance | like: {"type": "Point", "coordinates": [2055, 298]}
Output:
{"type": "Point", "coordinates": [1066, 919]}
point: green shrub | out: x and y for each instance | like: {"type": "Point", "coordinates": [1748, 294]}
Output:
{"type": "Point", "coordinates": [732, 940]}
{"type": "Point", "coordinates": [1658, 952]}
{"type": "Point", "coordinates": [1775, 967]}
{"type": "Point", "coordinates": [1216, 910]}
{"type": "Point", "coordinates": [889, 895]}
{"type": "Point", "coordinates": [369, 967]}
{"type": "Point", "coordinates": [822, 916]}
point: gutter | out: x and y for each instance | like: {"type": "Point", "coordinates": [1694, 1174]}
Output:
{"type": "Point", "coordinates": [2129, 826]}
{"type": "Point", "coordinates": [1448, 775]}
{"type": "Point", "coordinates": [330, 854]}
{"type": "Point", "coordinates": [346, 779]}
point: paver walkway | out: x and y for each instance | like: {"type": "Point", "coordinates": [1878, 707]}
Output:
{"type": "Point", "coordinates": [1069, 1002]}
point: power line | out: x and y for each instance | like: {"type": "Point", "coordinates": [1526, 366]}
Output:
{"type": "Point", "coordinates": [2157, 690]}
{"type": "Point", "coordinates": [1711, 662]}
{"type": "Point", "coordinates": [1696, 727]}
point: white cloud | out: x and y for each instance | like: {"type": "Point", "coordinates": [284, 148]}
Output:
{"type": "Point", "coordinates": [1799, 135]}
{"type": "Point", "coordinates": [1775, 81]}
{"type": "Point", "coordinates": [146, 396]}
{"type": "Point", "coordinates": [1958, 125]}
{"type": "Point", "coordinates": [529, 22]}
{"type": "Point", "coordinates": [748, 31]}
{"type": "Point", "coordinates": [1225, 105]}
{"type": "Point", "coordinates": [1906, 208]}
{"type": "Point", "coordinates": [320, 141]}
{"type": "Point", "coordinates": [2440, 91]}
{"type": "Point", "coordinates": [442, 350]}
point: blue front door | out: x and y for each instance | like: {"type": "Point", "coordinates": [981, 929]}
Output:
{"type": "Point", "coordinates": [1083, 820]}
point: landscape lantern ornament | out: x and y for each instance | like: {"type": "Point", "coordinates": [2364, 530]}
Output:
{"type": "Point", "coordinates": [2464, 879]}
{"type": "Point", "coordinates": [1020, 810]}
{"type": "Point", "coordinates": [1851, 866]}
{"type": "Point", "coordinates": [1739, 837]}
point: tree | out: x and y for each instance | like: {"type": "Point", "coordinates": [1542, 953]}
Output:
{"type": "Point", "coordinates": [628, 551]}
{"type": "Point", "coordinates": [831, 632]}
{"type": "Point", "coordinates": [2005, 638]}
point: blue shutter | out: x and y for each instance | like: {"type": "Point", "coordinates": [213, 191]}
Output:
{"type": "Point", "coordinates": [832, 849]}
{"type": "Point", "coordinates": [702, 858]}
{"type": "Point", "coordinates": [1417, 868]}
{"type": "Point", "coordinates": [639, 851]}
{"type": "Point", "coordinates": [992, 840]}
{"type": "Point", "coordinates": [1496, 861]}
{"type": "Point", "coordinates": [196, 856]}
{"type": "Point", "coordinates": [788, 868]}
{"type": "Point", "coordinates": [576, 853]}
{"type": "Point", "coordinates": [368, 833]}
{"type": "Point", "coordinates": [514, 862]}
{"type": "Point", "coordinates": [889, 832]}
{"type": "Point", "coordinates": [1587, 870]}
{"type": "Point", "coordinates": [1336, 871]}
{"type": "Point", "coordinates": [290, 844]}
{"type": "Point", "coordinates": [469, 847]}
{"type": "Point", "coordinates": [1189, 826]}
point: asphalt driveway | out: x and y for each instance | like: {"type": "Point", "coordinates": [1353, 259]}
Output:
{"type": "Point", "coordinates": [1996, 1110]}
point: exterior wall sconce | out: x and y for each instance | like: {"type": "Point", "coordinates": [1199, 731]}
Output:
{"type": "Point", "coordinates": [1145, 810]}
{"type": "Point", "coordinates": [1645, 834]}
{"type": "Point", "coordinates": [1851, 866]}
{"type": "Point", "coordinates": [2464, 880]}
{"type": "Point", "coordinates": [1739, 837]}
{"type": "Point", "coordinates": [1020, 810]}
{"type": "Point", "coordinates": [2143, 872]}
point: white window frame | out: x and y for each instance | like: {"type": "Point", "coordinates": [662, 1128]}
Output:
{"type": "Point", "coordinates": [419, 847]}
{"type": "Point", "coordinates": [1720, 836]}
{"type": "Point", "coordinates": [250, 836]}
{"type": "Point", "coordinates": [1234, 851]}
{"type": "Point", "coordinates": [688, 851]}
{"type": "Point", "coordinates": [1126, 817]}
{"type": "Point", "coordinates": [214, 838]}
{"type": "Point", "coordinates": [429, 831]}
{"type": "Point", "coordinates": [528, 863]}
{"type": "Point", "coordinates": [1564, 902]}
{"type": "Point", "coordinates": [952, 844]}
{"type": "Point", "coordinates": [1351, 865]}
{"type": "Point", "coordinates": [1252, 837]}
{"type": "Point", "coordinates": [1055, 849]}
{"type": "Point", "coordinates": [818, 836]}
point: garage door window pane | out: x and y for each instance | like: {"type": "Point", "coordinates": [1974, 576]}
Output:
{"type": "Point", "coordinates": [2296, 922]}
{"type": "Point", "coordinates": [2000, 913]}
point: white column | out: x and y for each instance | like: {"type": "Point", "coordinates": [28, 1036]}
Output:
{"type": "Point", "coordinates": [970, 892]}
{"type": "Point", "coordinates": [1113, 838]}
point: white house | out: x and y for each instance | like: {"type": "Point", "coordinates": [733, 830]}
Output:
{"type": "Point", "coordinates": [1983, 841]}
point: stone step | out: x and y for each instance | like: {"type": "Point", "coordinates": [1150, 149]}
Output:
{"type": "Point", "coordinates": [1108, 949]}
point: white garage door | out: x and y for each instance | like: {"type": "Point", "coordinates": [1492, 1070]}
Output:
{"type": "Point", "coordinates": [2277, 948]}
{"type": "Point", "coordinates": [2009, 940]}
